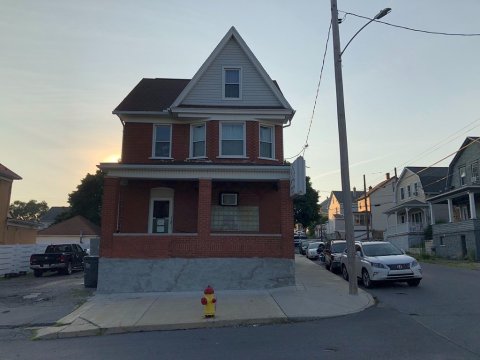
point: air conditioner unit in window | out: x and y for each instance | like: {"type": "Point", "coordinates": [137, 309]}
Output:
{"type": "Point", "coordinates": [229, 199]}
{"type": "Point", "coordinates": [474, 179]}
{"type": "Point", "coordinates": [415, 193]}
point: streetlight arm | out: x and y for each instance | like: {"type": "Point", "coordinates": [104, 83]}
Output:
{"type": "Point", "coordinates": [353, 37]}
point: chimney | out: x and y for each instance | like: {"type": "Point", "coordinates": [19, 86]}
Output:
{"type": "Point", "coordinates": [354, 193]}
{"type": "Point", "coordinates": [370, 188]}
{"type": "Point", "coordinates": [387, 175]}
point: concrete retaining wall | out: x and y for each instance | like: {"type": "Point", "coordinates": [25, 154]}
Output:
{"type": "Point", "coordinates": [179, 274]}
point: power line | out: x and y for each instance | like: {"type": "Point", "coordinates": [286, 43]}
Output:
{"type": "Point", "coordinates": [305, 146]}
{"type": "Point", "coordinates": [412, 29]}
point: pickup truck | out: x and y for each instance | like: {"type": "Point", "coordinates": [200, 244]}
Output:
{"type": "Point", "coordinates": [63, 258]}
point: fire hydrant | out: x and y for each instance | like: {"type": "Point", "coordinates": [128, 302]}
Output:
{"type": "Point", "coordinates": [208, 302]}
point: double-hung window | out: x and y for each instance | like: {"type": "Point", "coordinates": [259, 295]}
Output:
{"type": "Point", "coordinates": [197, 144]}
{"type": "Point", "coordinates": [232, 139]}
{"type": "Point", "coordinates": [475, 178]}
{"type": "Point", "coordinates": [463, 175]}
{"type": "Point", "coordinates": [232, 87]}
{"type": "Point", "coordinates": [409, 191]}
{"type": "Point", "coordinates": [266, 142]}
{"type": "Point", "coordinates": [162, 141]}
{"type": "Point", "coordinates": [402, 193]}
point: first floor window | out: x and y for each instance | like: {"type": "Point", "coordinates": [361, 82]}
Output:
{"type": "Point", "coordinates": [198, 141]}
{"type": "Point", "coordinates": [266, 142]}
{"type": "Point", "coordinates": [232, 137]}
{"type": "Point", "coordinates": [162, 141]}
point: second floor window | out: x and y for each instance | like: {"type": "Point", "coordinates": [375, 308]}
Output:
{"type": "Point", "coordinates": [463, 174]}
{"type": "Point", "coordinates": [475, 178]}
{"type": "Point", "coordinates": [162, 141]}
{"type": "Point", "coordinates": [231, 83]}
{"type": "Point", "coordinates": [197, 146]}
{"type": "Point", "coordinates": [409, 191]}
{"type": "Point", "coordinates": [232, 139]}
{"type": "Point", "coordinates": [402, 193]}
{"type": "Point", "coordinates": [266, 142]}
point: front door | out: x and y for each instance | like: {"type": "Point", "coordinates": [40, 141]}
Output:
{"type": "Point", "coordinates": [161, 216]}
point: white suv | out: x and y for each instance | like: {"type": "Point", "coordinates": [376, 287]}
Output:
{"type": "Point", "coordinates": [382, 261]}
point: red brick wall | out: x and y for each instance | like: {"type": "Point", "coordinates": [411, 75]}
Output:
{"type": "Point", "coordinates": [138, 139]}
{"type": "Point", "coordinates": [109, 214]}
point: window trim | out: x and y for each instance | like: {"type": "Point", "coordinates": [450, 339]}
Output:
{"type": "Point", "coordinates": [402, 193]}
{"type": "Point", "coordinates": [462, 179]}
{"type": "Point", "coordinates": [244, 139]}
{"type": "Point", "coordinates": [154, 142]}
{"type": "Point", "coordinates": [272, 128]}
{"type": "Point", "coordinates": [409, 191]}
{"type": "Point", "coordinates": [204, 125]}
{"type": "Point", "coordinates": [240, 75]}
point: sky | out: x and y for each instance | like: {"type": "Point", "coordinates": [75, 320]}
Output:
{"type": "Point", "coordinates": [410, 98]}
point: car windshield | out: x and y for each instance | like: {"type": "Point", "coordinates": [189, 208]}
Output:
{"type": "Point", "coordinates": [338, 248]}
{"type": "Point", "coordinates": [381, 249]}
{"type": "Point", "coordinates": [313, 245]}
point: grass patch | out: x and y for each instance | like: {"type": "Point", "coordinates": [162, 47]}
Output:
{"type": "Point", "coordinates": [459, 264]}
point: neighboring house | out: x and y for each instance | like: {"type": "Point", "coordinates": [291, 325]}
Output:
{"type": "Point", "coordinates": [12, 231]}
{"type": "Point", "coordinates": [459, 235]}
{"type": "Point", "coordinates": [410, 215]}
{"type": "Point", "coordinates": [335, 228]}
{"type": "Point", "coordinates": [201, 194]}
{"type": "Point", "coordinates": [51, 215]}
{"type": "Point", "coordinates": [320, 229]}
{"type": "Point", "coordinates": [378, 199]}
{"type": "Point", "coordinates": [76, 230]}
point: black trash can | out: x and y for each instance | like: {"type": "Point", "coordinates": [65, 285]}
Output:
{"type": "Point", "coordinates": [90, 276]}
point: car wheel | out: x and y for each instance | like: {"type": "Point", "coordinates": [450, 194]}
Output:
{"type": "Point", "coordinates": [414, 282]}
{"type": "Point", "coordinates": [37, 273]}
{"type": "Point", "coordinates": [366, 279]}
{"type": "Point", "coordinates": [344, 272]}
{"type": "Point", "coordinates": [68, 269]}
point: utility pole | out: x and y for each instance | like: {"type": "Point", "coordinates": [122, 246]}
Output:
{"type": "Point", "coordinates": [342, 138]}
{"type": "Point", "coordinates": [367, 217]}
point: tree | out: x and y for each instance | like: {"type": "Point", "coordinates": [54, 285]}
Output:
{"type": "Point", "coordinates": [28, 211]}
{"type": "Point", "coordinates": [306, 207]}
{"type": "Point", "coordinates": [87, 199]}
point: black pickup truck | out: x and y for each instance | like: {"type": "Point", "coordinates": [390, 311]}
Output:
{"type": "Point", "coordinates": [63, 258]}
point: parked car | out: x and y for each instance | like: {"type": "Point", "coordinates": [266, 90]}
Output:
{"type": "Point", "coordinates": [333, 254]}
{"type": "Point", "coordinates": [297, 238]}
{"type": "Point", "coordinates": [303, 246]}
{"type": "Point", "coordinates": [62, 258]}
{"type": "Point", "coordinates": [312, 251]}
{"type": "Point", "coordinates": [382, 261]}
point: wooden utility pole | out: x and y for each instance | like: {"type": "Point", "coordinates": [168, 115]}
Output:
{"type": "Point", "coordinates": [367, 217]}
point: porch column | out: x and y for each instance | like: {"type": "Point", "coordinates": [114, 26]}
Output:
{"type": "Point", "coordinates": [109, 214]}
{"type": "Point", "coordinates": [473, 210]}
{"type": "Point", "coordinates": [204, 208]}
{"type": "Point", "coordinates": [450, 210]}
{"type": "Point", "coordinates": [396, 219]}
{"type": "Point", "coordinates": [408, 220]}
{"type": "Point", "coordinates": [432, 215]}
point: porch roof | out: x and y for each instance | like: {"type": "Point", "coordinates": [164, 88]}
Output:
{"type": "Point", "coordinates": [454, 193]}
{"type": "Point", "coordinates": [196, 171]}
{"type": "Point", "coordinates": [407, 204]}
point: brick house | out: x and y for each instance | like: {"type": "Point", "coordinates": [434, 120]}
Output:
{"type": "Point", "coordinates": [202, 193]}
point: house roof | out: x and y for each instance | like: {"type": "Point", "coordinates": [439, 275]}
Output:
{"type": "Point", "coordinates": [52, 213]}
{"type": "Point", "coordinates": [339, 195]}
{"type": "Point", "coordinates": [466, 143]}
{"type": "Point", "coordinates": [433, 179]}
{"type": "Point", "coordinates": [411, 203]}
{"type": "Point", "coordinates": [155, 95]}
{"type": "Point", "coordinates": [233, 34]}
{"type": "Point", "coordinates": [73, 226]}
{"type": "Point", "coordinates": [378, 186]}
{"type": "Point", "coordinates": [7, 173]}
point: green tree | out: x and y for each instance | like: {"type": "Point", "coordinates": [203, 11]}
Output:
{"type": "Point", "coordinates": [87, 199]}
{"type": "Point", "coordinates": [306, 207]}
{"type": "Point", "coordinates": [28, 211]}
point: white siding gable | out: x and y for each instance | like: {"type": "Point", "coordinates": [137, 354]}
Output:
{"type": "Point", "coordinates": [208, 89]}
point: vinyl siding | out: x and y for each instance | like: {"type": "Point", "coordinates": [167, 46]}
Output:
{"type": "Point", "coordinates": [469, 155]}
{"type": "Point", "coordinates": [208, 90]}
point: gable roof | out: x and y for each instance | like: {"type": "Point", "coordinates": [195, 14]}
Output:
{"type": "Point", "coordinates": [152, 95]}
{"type": "Point", "coordinates": [433, 179]}
{"type": "Point", "coordinates": [73, 226]}
{"type": "Point", "coordinates": [52, 213]}
{"type": "Point", "coordinates": [339, 195]}
{"type": "Point", "coordinates": [378, 187]}
{"type": "Point", "coordinates": [233, 33]}
{"type": "Point", "coordinates": [7, 173]}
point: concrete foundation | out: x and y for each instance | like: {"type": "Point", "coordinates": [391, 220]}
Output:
{"type": "Point", "coordinates": [178, 274]}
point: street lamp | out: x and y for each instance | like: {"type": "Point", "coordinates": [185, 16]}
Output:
{"type": "Point", "coordinates": [342, 138]}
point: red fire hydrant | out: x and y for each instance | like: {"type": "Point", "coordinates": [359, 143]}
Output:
{"type": "Point", "coordinates": [208, 302]}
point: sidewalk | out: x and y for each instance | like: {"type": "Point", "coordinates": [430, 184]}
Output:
{"type": "Point", "coordinates": [318, 294]}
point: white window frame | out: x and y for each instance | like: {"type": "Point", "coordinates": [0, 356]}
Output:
{"type": "Point", "coordinates": [272, 129]}
{"type": "Point", "coordinates": [475, 172]}
{"type": "Point", "coordinates": [240, 75]}
{"type": "Point", "coordinates": [462, 179]}
{"type": "Point", "coordinates": [402, 193]}
{"type": "Point", "coordinates": [409, 191]}
{"type": "Point", "coordinates": [154, 142]}
{"type": "Point", "coordinates": [220, 128]}
{"type": "Point", "coordinates": [204, 125]}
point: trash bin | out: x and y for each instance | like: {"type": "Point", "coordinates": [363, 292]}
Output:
{"type": "Point", "coordinates": [90, 276]}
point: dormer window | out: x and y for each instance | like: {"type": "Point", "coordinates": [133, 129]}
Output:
{"type": "Point", "coordinates": [232, 87]}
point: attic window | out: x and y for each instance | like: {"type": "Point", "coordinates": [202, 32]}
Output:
{"type": "Point", "coordinates": [232, 83]}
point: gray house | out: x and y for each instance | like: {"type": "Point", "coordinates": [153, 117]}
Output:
{"type": "Point", "coordinates": [459, 237]}
{"type": "Point", "coordinates": [409, 216]}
